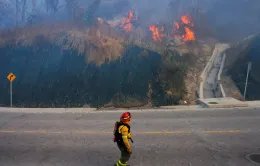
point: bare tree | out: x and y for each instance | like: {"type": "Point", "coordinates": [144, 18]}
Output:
{"type": "Point", "coordinates": [24, 10]}
{"type": "Point", "coordinates": [16, 12]}
{"type": "Point", "coordinates": [52, 5]}
{"type": "Point", "coordinates": [72, 6]}
{"type": "Point", "coordinates": [33, 5]}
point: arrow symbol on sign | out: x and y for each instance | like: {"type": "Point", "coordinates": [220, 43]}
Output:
{"type": "Point", "coordinates": [11, 77]}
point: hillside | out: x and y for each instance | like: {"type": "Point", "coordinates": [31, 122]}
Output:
{"type": "Point", "coordinates": [72, 65]}
{"type": "Point", "coordinates": [236, 65]}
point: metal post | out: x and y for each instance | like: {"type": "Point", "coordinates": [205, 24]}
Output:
{"type": "Point", "coordinates": [248, 70]}
{"type": "Point", "coordinates": [11, 94]}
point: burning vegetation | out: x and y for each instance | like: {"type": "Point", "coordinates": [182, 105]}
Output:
{"type": "Point", "coordinates": [183, 29]}
{"type": "Point", "coordinates": [157, 33]}
{"type": "Point", "coordinates": [186, 20]}
{"type": "Point", "coordinates": [126, 23]}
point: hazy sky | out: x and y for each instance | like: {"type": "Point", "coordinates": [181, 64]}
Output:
{"type": "Point", "coordinates": [232, 15]}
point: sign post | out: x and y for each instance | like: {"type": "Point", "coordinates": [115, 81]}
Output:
{"type": "Point", "coordinates": [11, 77]}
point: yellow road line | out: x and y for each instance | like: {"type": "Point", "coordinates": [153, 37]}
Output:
{"type": "Point", "coordinates": [165, 132]}
{"type": "Point", "coordinates": [32, 131]}
{"type": "Point", "coordinates": [7, 131]}
{"type": "Point", "coordinates": [103, 132]}
{"type": "Point", "coordinates": [221, 131]}
{"type": "Point", "coordinates": [92, 132]}
{"type": "Point", "coordinates": [55, 132]}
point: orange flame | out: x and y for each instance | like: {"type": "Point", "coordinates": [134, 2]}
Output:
{"type": "Point", "coordinates": [126, 22]}
{"type": "Point", "coordinates": [177, 26]}
{"type": "Point", "coordinates": [157, 34]}
{"type": "Point", "coordinates": [175, 30]}
{"type": "Point", "coordinates": [179, 29]}
{"type": "Point", "coordinates": [189, 35]}
{"type": "Point", "coordinates": [186, 20]}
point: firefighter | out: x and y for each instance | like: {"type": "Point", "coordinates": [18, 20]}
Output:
{"type": "Point", "coordinates": [122, 134]}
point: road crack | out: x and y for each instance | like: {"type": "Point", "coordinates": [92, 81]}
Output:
{"type": "Point", "coordinates": [218, 153]}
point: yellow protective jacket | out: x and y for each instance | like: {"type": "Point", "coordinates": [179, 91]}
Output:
{"type": "Point", "coordinates": [126, 135]}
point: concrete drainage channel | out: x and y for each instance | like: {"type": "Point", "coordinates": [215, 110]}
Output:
{"type": "Point", "coordinates": [212, 102]}
{"type": "Point", "coordinates": [254, 158]}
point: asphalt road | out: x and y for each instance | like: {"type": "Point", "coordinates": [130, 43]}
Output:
{"type": "Point", "coordinates": [164, 138]}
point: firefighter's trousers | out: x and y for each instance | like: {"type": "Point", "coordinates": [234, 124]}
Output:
{"type": "Point", "coordinates": [125, 156]}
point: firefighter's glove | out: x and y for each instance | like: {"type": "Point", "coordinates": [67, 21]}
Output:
{"type": "Point", "coordinates": [129, 151]}
{"type": "Point", "coordinates": [129, 136]}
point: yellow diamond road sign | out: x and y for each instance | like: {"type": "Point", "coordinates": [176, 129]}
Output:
{"type": "Point", "coordinates": [11, 77]}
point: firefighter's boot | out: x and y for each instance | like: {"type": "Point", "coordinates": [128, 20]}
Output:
{"type": "Point", "coordinates": [119, 163]}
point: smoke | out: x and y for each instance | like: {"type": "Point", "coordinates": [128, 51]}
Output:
{"type": "Point", "coordinates": [234, 20]}
{"type": "Point", "coordinates": [229, 19]}
{"type": "Point", "coordinates": [110, 10]}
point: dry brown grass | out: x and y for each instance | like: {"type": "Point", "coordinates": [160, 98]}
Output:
{"type": "Point", "coordinates": [201, 53]}
{"type": "Point", "coordinates": [97, 45]}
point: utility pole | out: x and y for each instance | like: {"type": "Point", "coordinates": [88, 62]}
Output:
{"type": "Point", "coordinates": [248, 70]}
